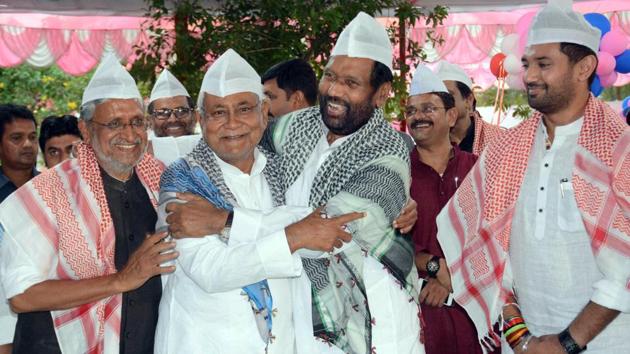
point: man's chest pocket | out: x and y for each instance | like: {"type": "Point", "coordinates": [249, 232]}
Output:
{"type": "Point", "coordinates": [569, 218]}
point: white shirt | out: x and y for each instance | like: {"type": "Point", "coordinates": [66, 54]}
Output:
{"type": "Point", "coordinates": [203, 309]}
{"type": "Point", "coordinates": [553, 265]}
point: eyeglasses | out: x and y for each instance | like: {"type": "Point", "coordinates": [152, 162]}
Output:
{"type": "Point", "coordinates": [165, 113]}
{"type": "Point", "coordinates": [222, 114]}
{"type": "Point", "coordinates": [425, 110]}
{"type": "Point", "coordinates": [118, 126]}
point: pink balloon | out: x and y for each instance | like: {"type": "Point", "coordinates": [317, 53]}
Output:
{"type": "Point", "coordinates": [614, 42]}
{"type": "Point", "coordinates": [608, 80]}
{"type": "Point", "coordinates": [523, 23]}
{"type": "Point", "coordinates": [606, 64]}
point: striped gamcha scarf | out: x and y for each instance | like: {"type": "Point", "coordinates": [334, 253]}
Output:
{"type": "Point", "coordinates": [199, 173]}
{"type": "Point", "coordinates": [475, 226]}
{"type": "Point", "coordinates": [71, 219]}
{"type": "Point", "coordinates": [339, 295]}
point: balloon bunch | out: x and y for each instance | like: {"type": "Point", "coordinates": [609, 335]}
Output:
{"type": "Point", "coordinates": [507, 64]}
{"type": "Point", "coordinates": [613, 55]}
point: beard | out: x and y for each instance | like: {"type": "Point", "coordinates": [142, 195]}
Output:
{"type": "Point", "coordinates": [109, 163]}
{"type": "Point", "coordinates": [550, 100]}
{"type": "Point", "coordinates": [351, 118]}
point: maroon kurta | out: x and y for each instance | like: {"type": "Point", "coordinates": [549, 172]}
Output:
{"type": "Point", "coordinates": [447, 330]}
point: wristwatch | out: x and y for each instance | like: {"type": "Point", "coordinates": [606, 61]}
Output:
{"type": "Point", "coordinates": [433, 266]}
{"type": "Point", "coordinates": [568, 343]}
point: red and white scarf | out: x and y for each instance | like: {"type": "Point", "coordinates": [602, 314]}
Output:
{"type": "Point", "coordinates": [69, 207]}
{"type": "Point", "coordinates": [484, 133]}
{"type": "Point", "coordinates": [474, 227]}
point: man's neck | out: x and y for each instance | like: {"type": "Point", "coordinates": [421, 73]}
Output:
{"type": "Point", "coordinates": [573, 112]}
{"type": "Point", "coordinates": [436, 156]}
{"type": "Point", "coordinates": [331, 137]}
{"type": "Point", "coordinates": [459, 131]}
{"type": "Point", "coordinates": [17, 177]}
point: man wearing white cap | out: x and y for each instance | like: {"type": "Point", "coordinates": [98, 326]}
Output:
{"type": "Point", "coordinates": [242, 291]}
{"type": "Point", "coordinates": [437, 169]}
{"type": "Point", "coordinates": [170, 107]}
{"type": "Point", "coordinates": [542, 220]}
{"type": "Point", "coordinates": [470, 132]}
{"type": "Point", "coordinates": [344, 155]}
{"type": "Point", "coordinates": [78, 256]}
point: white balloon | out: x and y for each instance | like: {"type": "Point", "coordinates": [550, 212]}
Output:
{"type": "Point", "coordinates": [512, 64]}
{"type": "Point", "coordinates": [515, 82]}
{"type": "Point", "coordinates": [510, 44]}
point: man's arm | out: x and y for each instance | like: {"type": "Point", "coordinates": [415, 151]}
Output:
{"type": "Point", "coordinates": [143, 264]}
{"type": "Point", "coordinates": [217, 267]}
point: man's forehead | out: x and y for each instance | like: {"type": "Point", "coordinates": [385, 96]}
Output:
{"type": "Point", "coordinates": [167, 102]}
{"type": "Point", "coordinates": [538, 51]}
{"type": "Point", "coordinates": [344, 65]}
{"type": "Point", "coordinates": [425, 98]}
{"type": "Point", "coordinates": [115, 107]}
{"type": "Point", "coordinates": [230, 100]}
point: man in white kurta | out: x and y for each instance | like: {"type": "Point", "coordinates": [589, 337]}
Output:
{"type": "Point", "coordinates": [208, 287]}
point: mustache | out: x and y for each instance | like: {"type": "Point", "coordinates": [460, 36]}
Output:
{"type": "Point", "coordinates": [124, 141]}
{"type": "Point", "coordinates": [531, 86]}
{"type": "Point", "coordinates": [335, 100]}
{"type": "Point", "coordinates": [416, 123]}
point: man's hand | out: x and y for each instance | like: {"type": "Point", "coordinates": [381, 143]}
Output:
{"type": "Point", "coordinates": [434, 293]}
{"type": "Point", "coordinates": [145, 262]}
{"type": "Point", "coordinates": [195, 218]}
{"type": "Point", "coordinates": [407, 218]}
{"type": "Point", "coordinates": [444, 276]}
{"type": "Point", "coordinates": [320, 234]}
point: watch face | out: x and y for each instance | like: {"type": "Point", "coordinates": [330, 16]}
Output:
{"type": "Point", "coordinates": [433, 267]}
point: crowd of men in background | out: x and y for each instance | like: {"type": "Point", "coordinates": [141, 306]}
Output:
{"type": "Point", "coordinates": [299, 221]}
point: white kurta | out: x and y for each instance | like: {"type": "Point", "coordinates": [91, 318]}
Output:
{"type": "Point", "coordinates": [8, 319]}
{"type": "Point", "coordinates": [555, 273]}
{"type": "Point", "coordinates": [204, 310]}
{"type": "Point", "coordinates": [396, 328]}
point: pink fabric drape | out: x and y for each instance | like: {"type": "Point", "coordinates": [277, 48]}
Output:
{"type": "Point", "coordinates": [21, 41]}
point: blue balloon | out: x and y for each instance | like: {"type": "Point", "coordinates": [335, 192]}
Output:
{"type": "Point", "coordinates": [596, 86]}
{"type": "Point", "coordinates": [622, 65]}
{"type": "Point", "coordinates": [598, 20]}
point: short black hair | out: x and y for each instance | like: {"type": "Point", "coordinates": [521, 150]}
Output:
{"type": "Point", "coordinates": [447, 99]}
{"type": "Point", "coordinates": [577, 52]}
{"type": "Point", "coordinates": [380, 74]}
{"type": "Point", "coordinates": [294, 75]}
{"type": "Point", "coordinates": [53, 126]}
{"type": "Point", "coordinates": [474, 105]}
{"type": "Point", "coordinates": [464, 90]}
{"type": "Point", "coordinates": [191, 104]}
{"type": "Point", "coordinates": [10, 112]}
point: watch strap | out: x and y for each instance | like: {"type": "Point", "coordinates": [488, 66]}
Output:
{"type": "Point", "coordinates": [230, 218]}
{"type": "Point", "coordinates": [435, 260]}
{"type": "Point", "coordinates": [568, 343]}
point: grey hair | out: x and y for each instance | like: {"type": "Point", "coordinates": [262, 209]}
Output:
{"type": "Point", "coordinates": [88, 108]}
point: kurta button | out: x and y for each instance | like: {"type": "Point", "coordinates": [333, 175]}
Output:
{"type": "Point", "coordinates": [128, 334]}
{"type": "Point", "coordinates": [546, 165]}
{"type": "Point", "coordinates": [540, 210]}
{"type": "Point", "coordinates": [126, 205]}
{"type": "Point", "coordinates": [132, 302]}
{"type": "Point", "coordinates": [542, 188]}
{"type": "Point", "coordinates": [131, 237]}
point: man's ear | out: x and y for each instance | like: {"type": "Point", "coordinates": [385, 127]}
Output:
{"type": "Point", "coordinates": [85, 131]}
{"type": "Point", "coordinates": [297, 100]}
{"type": "Point", "coordinates": [264, 110]}
{"type": "Point", "coordinates": [586, 67]}
{"type": "Point", "coordinates": [451, 116]}
{"type": "Point", "coordinates": [382, 94]}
